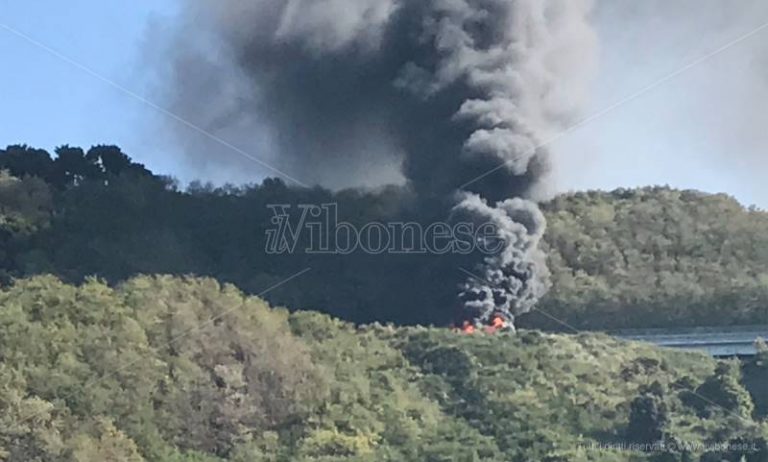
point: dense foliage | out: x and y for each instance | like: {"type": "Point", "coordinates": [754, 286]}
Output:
{"type": "Point", "coordinates": [628, 258]}
{"type": "Point", "coordinates": [186, 370]}
{"type": "Point", "coordinates": [656, 256]}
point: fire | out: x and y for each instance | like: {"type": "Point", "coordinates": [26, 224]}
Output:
{"type": "Point", "coordinates": [497, 323]}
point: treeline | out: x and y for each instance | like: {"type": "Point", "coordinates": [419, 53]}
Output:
{"type": "Point", "coordinates": [628, 258]}
{"type": "Point", "coordinates": [171, 369]}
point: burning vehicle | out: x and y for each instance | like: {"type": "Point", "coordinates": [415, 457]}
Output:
{"type": "Point", "coordinates": [497, 323]}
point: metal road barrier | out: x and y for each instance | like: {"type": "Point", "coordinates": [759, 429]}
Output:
{"type": "Point", "coordinates": [716, 341]}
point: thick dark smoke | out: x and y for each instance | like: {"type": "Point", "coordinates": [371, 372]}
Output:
{"type": "Point", "coordinates": [512, 281]}
{"type": "Point", "coordinates": [433, 94]}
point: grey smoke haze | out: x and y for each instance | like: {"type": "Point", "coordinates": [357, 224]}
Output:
{"type": "Point", "coordinates": [339, 92]}
{"type": "Point", "coordinates": [429, 93]}
{"type": "Point", "coordinates": [705, 129]}
{"type": "Point", "coordinates": [702, 130]}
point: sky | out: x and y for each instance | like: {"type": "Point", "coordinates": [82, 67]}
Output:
{"type": "Point", "coordinates": [47, 101]}
{"type": "Point", "coordinates": [704, 129]}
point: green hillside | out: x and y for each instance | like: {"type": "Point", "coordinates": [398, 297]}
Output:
{"type": "Point", "coordinates": [181, 370]}
{"type": "Point", "coordinates": [650, 257]}
{"type": "Point", "coordinates": [656, 257]}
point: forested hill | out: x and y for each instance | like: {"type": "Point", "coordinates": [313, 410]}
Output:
{"type": "Point", "coordinates": [628, 258]}
{"type": "Point", "coordinates": [167, 369]}
{"type": "Point", "coordinates": [656, 257]}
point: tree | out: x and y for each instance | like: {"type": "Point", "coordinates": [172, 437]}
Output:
{"type": "Point", "coordinates": [114, 162]}
{"type": "Point", "coordinates": [104, 443]}
{"type": "Point", "coordinates": [722, 391]}
{"type": "Point", "coordinates": [71, 167]}
{"type": "Point", "coordinates": [22, 161]}
{"type": "Point", "coordinates": [648, 417]}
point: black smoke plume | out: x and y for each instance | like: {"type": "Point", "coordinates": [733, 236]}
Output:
{"type": "Point", "coordinates": [452, 99]}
